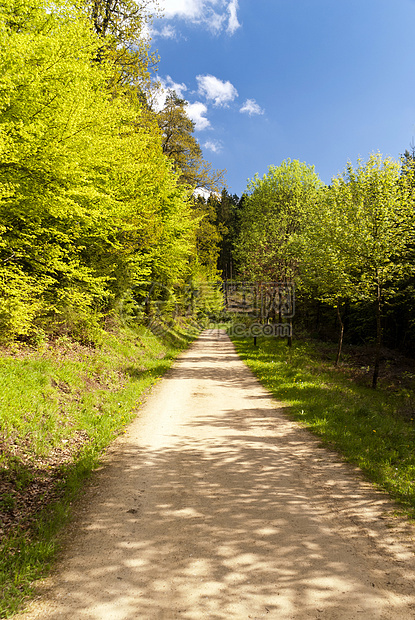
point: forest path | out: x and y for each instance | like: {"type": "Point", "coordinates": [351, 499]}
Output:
{"type": "Point", "coordinates": [213, 505]}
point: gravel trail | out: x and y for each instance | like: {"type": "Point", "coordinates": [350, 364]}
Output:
{"type": "Point", "coordinates": [213, 505]}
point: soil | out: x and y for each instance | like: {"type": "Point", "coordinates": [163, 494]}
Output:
{"type": "Point", "coordinates": [214, 505]}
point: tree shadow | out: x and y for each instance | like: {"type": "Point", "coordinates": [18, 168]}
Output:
{"type": "Point", "coordinates": [220, 533]}
{"type": "Point", "coordinates": [238, 514]}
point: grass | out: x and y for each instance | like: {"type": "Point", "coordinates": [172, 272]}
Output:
{"type": "Point", "coordinates": [62, 404]}
{"type": "Point", "coordinates": [60, 407]}
{"type": "Point", "coordinates": [370, 428]}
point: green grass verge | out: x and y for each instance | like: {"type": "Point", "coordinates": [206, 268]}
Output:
{"type": "Point", "coordinates": [366, 426]}
{"type": "Point", "coordinates": [60, 407]}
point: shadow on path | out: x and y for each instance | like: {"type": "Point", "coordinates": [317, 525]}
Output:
{"type": "Point", "coordinates": [237, 514]}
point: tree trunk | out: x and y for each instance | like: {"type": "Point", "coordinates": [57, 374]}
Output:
{"type": "Point", "coordinates": [378, 338]}
{"type": "Point", "coordinates": [290, 337]}
{"type": "Point", "coordinates": [340, 345]}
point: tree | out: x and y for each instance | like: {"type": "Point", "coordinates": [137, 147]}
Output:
{"type": "Point", "coordinates": [273, 216]}
{"type": "Point", "coordinates": [182, 148]}
{"type": "Point", "coordinates": [208, 233]}
{"type": "Point", "coordinates": [274, 212]}
{"type": "Point", "coordinates": [51, 105]}
{"type": "Point", "coordinates": [121, 26]}
{"type": "Point", "coordinates": [367, 226]}
{"type": "Point", "coordinates": [324, 271]}
{"type": "Point", "coordinates": [89, 205]}
{"type": "Point", "coordinates": [228, 210]}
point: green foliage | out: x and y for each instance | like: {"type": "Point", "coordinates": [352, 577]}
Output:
{"type": "Point", "coordinates": [228, 210]}
{"type": "Point", "coordinates": [89, 204]}
{"type": "Point", "coordinates": [124, 45]}
{"type": "Point", "coordinates": [369, 221]}
{"type": "Point", "coordinates": [358, 235]}
{"type": "Point", "coordinates": [208, 233]}
{"type": "Point", "coordinates": [350, 243]}
{"type": "Point", "coordinates": [361, 235]}
{"type": "Point", "coordinates": [52, 109]}
{"type": "Point", "coordinates": [272, 218]}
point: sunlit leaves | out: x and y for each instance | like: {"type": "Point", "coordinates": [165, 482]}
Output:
{"type": "Point", "coordinates": [357, 241]}
{"type": "Point", "coordinates": [272, 219]}
{"type": "Point", "coordinates": [89, 203]}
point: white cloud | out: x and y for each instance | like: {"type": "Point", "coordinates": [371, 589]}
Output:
{"type": "Point", "coordinates": [221, 93]}
{"type": "Point", "coordinates": [251, 107]}
{"type": "Point", "coordinates": [233, 23]}
{"type": "Point", "coordinates": [158, 98]}
{"type": "Point", "coordinates": [167, 32]}
{"type": "Point", "coordinates": [215, 22]}
{"type": "Point", "coordinates": [196, 112]}
{"type": "Point", "coordinates": [214, 146]}
{"type": "Point", "coordinates": [213, 14]}
{"type": "Point", "coordinates": [185, 9]}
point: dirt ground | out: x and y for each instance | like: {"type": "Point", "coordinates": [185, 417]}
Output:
{"type": "Point", "coordinates": [215, 506]}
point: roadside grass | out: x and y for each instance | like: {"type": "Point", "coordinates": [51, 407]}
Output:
{"type": "Point", "coordinates": [373, 429]}
{"type": "Point", "coordinates": [60, 406]}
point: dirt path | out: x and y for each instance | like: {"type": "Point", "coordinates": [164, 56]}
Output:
{"type": "Point", "coordinates": [214, 506]}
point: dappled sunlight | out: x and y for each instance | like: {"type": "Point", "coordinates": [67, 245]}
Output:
{"type": "Point", "coordinates": [231, 513]}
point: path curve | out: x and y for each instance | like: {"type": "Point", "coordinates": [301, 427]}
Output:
{"type": "Point", "coordinates": [215, 506]}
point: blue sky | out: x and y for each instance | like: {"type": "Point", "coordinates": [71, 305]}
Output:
{"type": "Point", "coordinates": [321, 81]}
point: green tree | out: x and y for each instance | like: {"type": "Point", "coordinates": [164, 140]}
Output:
{"type": "Point", "coordinates": [367, 227]}
{"type": "Point", "coordinates": [50, 99]}
{"type": "Point", "coordinates": [273, 215]}
{"type": "Point", "coordinates": [324, 271]}
{"type": "Point", "coordinates": [228, 210]}
{"type": "Point", "coordinates": [89, 204]}
{"type": "Point", "coordinates": [121, 27]}
{"type": "Point", "coordinates": [208, 233]}
{"type": "Point", "coordinates": [274, 212]}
